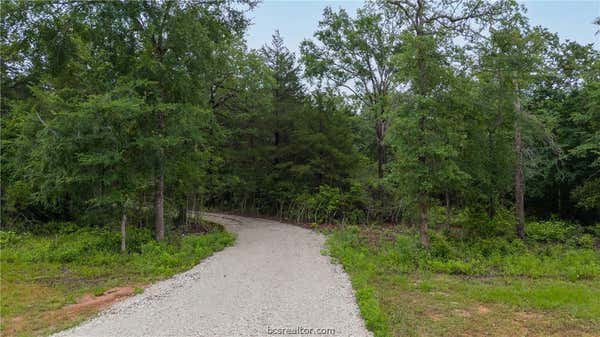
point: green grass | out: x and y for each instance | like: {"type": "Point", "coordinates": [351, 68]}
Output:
{"type": "Point", "coordinates": [42, 274]}
{"type": "Point", "coordinates": [483, 287]}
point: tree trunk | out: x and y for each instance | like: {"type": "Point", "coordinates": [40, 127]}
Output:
{"type": "Point", "coordinates": [123, 232]}
{"type": "Point", "coordinates": [423, 225]}
{"type": "Point", "coordinates": [159, 211]}
{"type": "Point", "coordinates": [448, 210]}
{"type": "Point", "coordinates": [491, 210]}
{"type": "Point", "coordinates": [159, 197]}
{"type": "Point", "coordinates": [380, 160]}
{"type": "Point", "coordinates": [422, 90]}
{"type": "Point", "coordinates": [519, 176]}
{"type": "Point", "coordinates": [380, 133]}
{"type": "Point", "coordinates": [491, 207]}
{"type": "Point", "coordinates": [560, 211]}
{"type": "Point", "coordinates": [187, 211]}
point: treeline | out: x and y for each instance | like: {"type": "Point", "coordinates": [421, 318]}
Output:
{"type": "Point", "coordinates": [432, 113]}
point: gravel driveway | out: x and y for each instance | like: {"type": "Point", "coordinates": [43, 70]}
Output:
{"type": "Point", "coordinates": [273, 282]}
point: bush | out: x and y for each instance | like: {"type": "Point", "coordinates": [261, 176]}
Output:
{"type": "Point", "coordinates": [487, 256]}
{"type": "Point", "coordinates": [101, 247]}
{"type": "Point", "coordinates": [406, 254]}
{"type": "Point", "coordinates": [586, 241]}
{"type": "Point", "coordinates": [9, 237]}
{"type": "Point", "coordinates": [136, 238]}
{"type": "Point", "coordinates": [550, 231]}
{"type": "Point", "coordinates": [477, 223]}
{"type": "Point", "coordinates": [330, 204]}
{"type": "Point", "coordinates": [595, 230]}
{"type": "Point", "coordinates": [453, 267]}
{"type": "Point", "coordinates": [496, 246]}
{"type": "Point", "coordinates": [437, 216]}
{"type": "Point", "coordinates": [441, 248]}
{"type": "Point", "coordinates": [80, 245]}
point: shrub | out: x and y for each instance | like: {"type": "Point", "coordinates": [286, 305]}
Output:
{"type": "Point", "coordinates": [82, 244]}
{"type": "Point", "coordinates": [550, 231]}
{"type": "Point", "coordinates": [454, 266]}
{"type": "Point", "coordinates": [437, 216]}
{"type": "Point", "coordinates": [440, 247]}
{"type": "Point", "coordinates": [476, 256]}
{"type": "Point", "coordinates": [595, 230]}
{"type": "Point", "coordinates": [330, 204]}
{"type": "Point", "coordinates": [136, 238]}
{"type": "Point", "coordinates": [586, 241]}
{"type": "Point", "coordinates": [96, 247]}
{"type": "Point", "coordinates": [477, 223]}
{"type": "Point", "coordinates": [496, 246]}
{"type": "Point", "coordinates": [9, 238]}
{"type": "Point", "coordinates": [406, 254]}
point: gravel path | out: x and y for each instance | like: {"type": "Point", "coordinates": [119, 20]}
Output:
{"type": "Point", "coordinates": [274, 278]}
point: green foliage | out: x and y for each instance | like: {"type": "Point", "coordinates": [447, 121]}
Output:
{"type": "Point", "coordinates": [587, 241]}
{"type": "Point", "coordinates": [397, 281]}
{"type": "Point", "coordinates": [344, 247]}
{"type": "Point", "coordinates": [108, 110]}
{"type": "Point", "coordinates": [330, 204]}
{"type": "Point", "coordinates": [100, 248]}
{"type": "Point", "coordinates": [44, 273]}
{"type": "Point", "coordinates": [397, 118]}
{"type": "Point", "coordinates": [587, 194]}
{"type": "Point", "coordinates": [386, 119]}
{"type": "Point", "coordinates": [550, 231]}
{"type": "Point", "coordinates": [491, 256]}
{"type": "Point", "coordinates": [477, 223]}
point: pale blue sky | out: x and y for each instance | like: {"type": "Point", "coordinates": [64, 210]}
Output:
{"type": "Point", "coordinates": [298, 19]}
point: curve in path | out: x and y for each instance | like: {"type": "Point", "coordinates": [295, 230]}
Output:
{"type": "Point", "coordinates": [273, 282]}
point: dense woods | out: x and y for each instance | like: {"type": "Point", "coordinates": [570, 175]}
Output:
{"type": "Point", "coordinates": [449, 114]}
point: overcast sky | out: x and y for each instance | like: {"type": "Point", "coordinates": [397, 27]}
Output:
{"type": "Point", "coordinates": [298, 19]}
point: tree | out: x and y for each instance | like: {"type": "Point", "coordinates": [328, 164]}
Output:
{"type": "Point", "coordinates": [165, 50]}
{"type": "Point", "coordinates": [175, 64]}
{"type": "Point", "coordinates": [563, 98]}
{"type": "Point", "coordinates": [288, 105]}
{"type": "Point", "coordinates": [355, 56]}
{"type": "Point", "coordinates": [515, 59]}
{"type": "Point", "coordinates": [429, 30]}
{"type": "Point", "coordinates": [587, 193]}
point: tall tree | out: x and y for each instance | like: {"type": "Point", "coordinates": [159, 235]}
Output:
{"type": "Point", "coordinates": [428, 26]}
{"type": "Point", "coordinates": [355, 56]}
{"type": "Point", "coordinates": [515, 57]}
{"type": "Point", "coordinates": [167, 49]}
{"type": "Point", "coordinates": [288, 105]}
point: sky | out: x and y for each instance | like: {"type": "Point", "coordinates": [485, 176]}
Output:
{"type": "Point", "coordinates": [298, 19]}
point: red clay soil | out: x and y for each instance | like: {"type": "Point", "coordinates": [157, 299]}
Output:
{"type": "Point", "coordinates": [89, 301]}
{"type": "Point", "coordinates": [86, 305]}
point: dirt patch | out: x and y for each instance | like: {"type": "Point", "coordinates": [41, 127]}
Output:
{"type": "Point", "coordinates": [461, 313]}
{"type": "Point", "coordinates": [86, 305]}
{"type": "Point", "coordinates": [89, 301]}
{"type": "Point", "coordinates": [16, 324]}
{"type": "Point", "coordinates": [435, 316]}
{"type": "Point", "coordinates": [523, 315]}
{"type": "Point", "coordinates": [482, 310]}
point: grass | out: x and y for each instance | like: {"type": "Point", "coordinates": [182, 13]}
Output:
{"type": "Point", "coordinates": [493, 287]}
{"type": "Point", "coordinates": [42, 274]}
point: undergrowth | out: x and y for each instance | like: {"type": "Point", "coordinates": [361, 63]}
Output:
{"type": "Point", "coordinates": [42, 273]}
{"type": "Point", "coordinates": [396, 279]}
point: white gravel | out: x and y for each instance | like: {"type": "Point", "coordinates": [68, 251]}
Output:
{"type": "Point", "coordinates": [274, 278]}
